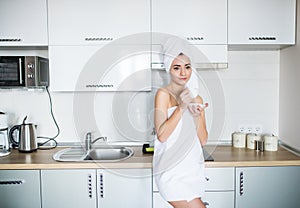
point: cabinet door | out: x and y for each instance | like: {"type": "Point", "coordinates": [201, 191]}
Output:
{"type": "Point", "coordinates": [100, 68]}
{"type": "Point", "coordinates": [198, 21]}
{"type": "Point", "coordinates": [20, 188]}
{"type": "Point", "coordinates": [261, 21]}
{"type": "Point", "coordinates": [77, 22]}
{"type": "Point", "coordinates": [68, 188]}
{"type": "Point", "coordinates": [125, 188]}
{"type": "Point", "coordinates": [23, 23]}
{"type": "Point", "coordinates": [267, 187]}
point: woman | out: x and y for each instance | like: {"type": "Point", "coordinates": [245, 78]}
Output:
{"type": "Point", "coordinates": [181, 132]}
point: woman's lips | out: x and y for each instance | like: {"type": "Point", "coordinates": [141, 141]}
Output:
{"type": "Point", "coordinates": [183, 79]}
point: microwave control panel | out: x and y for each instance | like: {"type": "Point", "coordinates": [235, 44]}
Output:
{"type": "Point", "coordinates": [30, 72]}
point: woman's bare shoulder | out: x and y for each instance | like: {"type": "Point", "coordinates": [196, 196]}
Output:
{"type": "Point", "coordinates": [162, 92]}
{"type": "Point", "coordinates": [162, 96]}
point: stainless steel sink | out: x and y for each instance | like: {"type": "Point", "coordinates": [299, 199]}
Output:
{"type": "Point", "coordinates": [105, 153]}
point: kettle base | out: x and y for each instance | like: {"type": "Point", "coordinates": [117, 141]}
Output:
{"type": "Point", "coordinates": [27, 151]}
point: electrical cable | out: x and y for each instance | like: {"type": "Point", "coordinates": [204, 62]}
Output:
{"type": "Point", "coordinates": [57, 127]}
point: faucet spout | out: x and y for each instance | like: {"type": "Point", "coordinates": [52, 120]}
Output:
{"type": "Point", "coordinates": [103, 138]}
{"type": "Point", "coordinates": [89, 141]}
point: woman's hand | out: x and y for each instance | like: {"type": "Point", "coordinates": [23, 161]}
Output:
{"type": "Point", "coordinates": [184, 99]}
{"type": "Point", "coordinates": [196, 108]}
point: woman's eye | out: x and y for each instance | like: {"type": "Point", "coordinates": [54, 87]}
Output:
{"type": "Point", "coordinates": [188, 67]}
{"type": "Point", "coordinates": [176, 68]}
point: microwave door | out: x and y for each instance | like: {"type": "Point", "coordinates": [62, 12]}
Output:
{"type": "Point", "coordinates": [12, 71]}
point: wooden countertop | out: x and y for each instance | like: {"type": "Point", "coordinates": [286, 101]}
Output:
{"type": "Point", "coordinates": [224, 156]}
{"type": "Point", "coordinates": [228, 156]}
{"type": "Point", "coordinates": [42, 159]}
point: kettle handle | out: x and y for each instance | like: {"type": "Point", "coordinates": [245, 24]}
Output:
{"type": "Point", "coordinates": [11, 131]}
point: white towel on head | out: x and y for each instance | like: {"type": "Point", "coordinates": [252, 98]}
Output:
{"type": "Point", "coordinates": [171, 49]}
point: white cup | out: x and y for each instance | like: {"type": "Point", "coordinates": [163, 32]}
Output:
{"type": "Point", "coordinates": [239, 140]}
{"type": "Point", "coordinates": [251, 138]}
{"type": "Point", "coordinates": [271, 143]}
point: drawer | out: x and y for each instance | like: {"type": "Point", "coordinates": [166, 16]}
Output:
{"type": "Point", "coordinates": [219, 179]}
{"type": "Point", "coordinates": [211, 199]}
{"type": "Point", "coordinates": [219, 199]}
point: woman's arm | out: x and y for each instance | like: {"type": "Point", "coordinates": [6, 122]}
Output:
{"type": "Point", "coordinates": [200, 123]}
{"type": "Point", "coordinates": [164, 126]}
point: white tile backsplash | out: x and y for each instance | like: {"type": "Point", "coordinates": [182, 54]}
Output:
{"type": "Point", "coordinates": [250, 88]}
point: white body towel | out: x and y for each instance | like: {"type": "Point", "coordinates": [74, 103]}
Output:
{"type": "Point", "coordinates": [178, 163]}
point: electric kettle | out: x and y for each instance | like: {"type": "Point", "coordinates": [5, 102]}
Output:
{"type": "Point", "coordinates": [27, 136]}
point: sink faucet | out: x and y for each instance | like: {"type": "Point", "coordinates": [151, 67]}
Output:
{"type": "Point", "coordinates": [89, 142]}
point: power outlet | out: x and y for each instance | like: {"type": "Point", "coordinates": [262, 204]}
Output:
{"type": "Point", "coordinates": [249, 129]}
{"type": "Point", "coordinates": [242, 128]}
{"type": "Point", "coordinates": [257, 129]}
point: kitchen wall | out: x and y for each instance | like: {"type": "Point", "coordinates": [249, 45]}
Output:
{"type": "Point", "coordinates": [249, 86]}
{"type": "Point", "coordinates": [289, 97]}
{"type": "Point", "coordinates": [251, 91]}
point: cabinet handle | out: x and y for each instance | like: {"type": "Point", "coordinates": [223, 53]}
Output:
{"type": "Point", "coordinates": [241, 183]}
{"type": "Point", "coordinates": [10, 40]}
{"type": "Point", "coordinates": [206, 204]}
{"type": "Point", "coordinates": [101, 187]}
{"type": "Point", "coordinates": [207, 178]}
{"type": "Point", "coordinates": [99, 39]}
{"type": "Point", "coordinates": [90, 185]}
{"type": "Point", "coordinates": [14, 182]}
{"type": "Point", "coordinates": [195, 38]}
{"type": "Point", "coordinates": [262, 38]}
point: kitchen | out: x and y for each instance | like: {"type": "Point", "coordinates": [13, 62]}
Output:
{"type": "Point", "coordinates": [257, 84]}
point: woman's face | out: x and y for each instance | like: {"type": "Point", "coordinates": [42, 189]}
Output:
{"type": "Point", "coordinates": [181, 70]}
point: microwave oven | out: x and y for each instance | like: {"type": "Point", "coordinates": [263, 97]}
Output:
{"type": "Point", "coordinates": [24, 71]}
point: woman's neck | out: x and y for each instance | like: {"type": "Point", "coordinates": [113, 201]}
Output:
{"type": "Point", "coordinates": [175, 89]}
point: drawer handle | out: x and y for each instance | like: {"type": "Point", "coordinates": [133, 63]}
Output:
{"type": "Point", "coordinates": [10, 39]}
{"type": "Point", "coordinates": [262, 38]}
{"type": "Point", "coordinates": [14, 182]}
{"type": "Point", "coordinates": [241, 183]}
{"type": "Point", "coordinates": [206, 204]}
{"type": "Point", "coordinates": [207, 178]}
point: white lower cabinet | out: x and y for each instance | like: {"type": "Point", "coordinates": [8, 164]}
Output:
{"type": "Point", "coordinates": [20, 188]}
{"type": "Point", "coordinates": [126, 188]}
{"type": "Point", "coordinates": [102, 188]}
{"type": "Point", "coordinates": [262, 187]}
{"type": "Point", "coordinates": [69, 188]}
{"type": "Point", "coordinates": [219, 189]}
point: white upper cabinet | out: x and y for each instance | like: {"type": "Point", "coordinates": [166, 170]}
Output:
{"type": "Point", "coordinates": [264, 22]}
{"type": "Point", "coordinates": [94, 22]}
{"type": "Point", "coordinates": [23, 23]}
{"type": "Point", "coordinates": [108, 67]}
{"type": "Point", "coordinates": [198, 21]}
